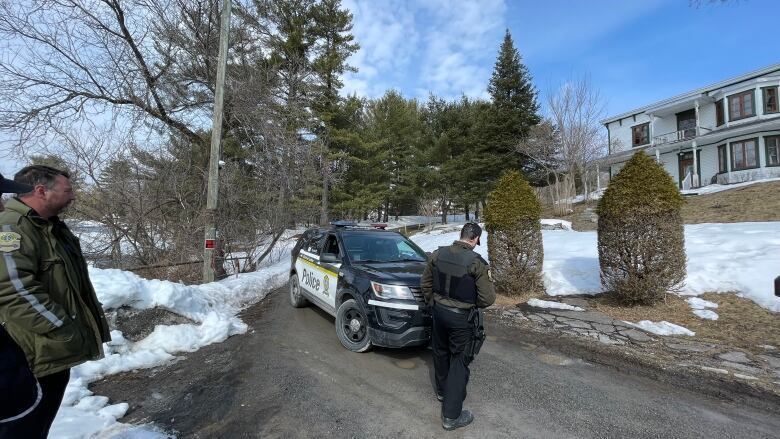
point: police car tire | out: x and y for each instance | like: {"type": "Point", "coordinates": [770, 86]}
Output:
{"type": "Point", "coordinates": [296, 297]}
{"type": "Point", "coordinates": [341, 315]}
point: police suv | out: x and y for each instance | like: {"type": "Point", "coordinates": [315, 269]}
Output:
{"type": "Point", "coordinates": [366, 277]}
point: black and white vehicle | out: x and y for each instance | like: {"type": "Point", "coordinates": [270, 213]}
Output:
{"type": "Point", "coordinates": [368, 278]}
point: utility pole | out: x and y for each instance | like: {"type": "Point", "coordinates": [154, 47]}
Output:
{"type": "Point", "coordinates": [210, 242]}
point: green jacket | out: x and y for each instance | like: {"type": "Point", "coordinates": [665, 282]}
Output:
{"type": "Point", "coordinates": [47, 303]}
{"type": "Point", "coordinates": [486, 292]}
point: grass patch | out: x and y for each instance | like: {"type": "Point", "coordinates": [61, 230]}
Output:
{"type": "Point", "coordinates": [757, 202]}
{"type": "Point", "coordinates": [741, 323]}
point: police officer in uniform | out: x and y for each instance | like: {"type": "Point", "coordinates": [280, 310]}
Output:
{"type": "Point", "coordinates": [48, 306]}
{"type": "Point", "coordinates": [455, 282]}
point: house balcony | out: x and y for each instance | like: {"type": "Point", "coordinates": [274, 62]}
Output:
{"type": "Point", "coordinates": [680, 135]}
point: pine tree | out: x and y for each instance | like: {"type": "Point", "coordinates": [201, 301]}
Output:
{"type": "Point", "coordinates": [503, 124]}
{"type": "Point", "coordinates": [334, 45]}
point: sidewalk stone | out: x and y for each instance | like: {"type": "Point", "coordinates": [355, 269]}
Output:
{"type": "Point", "coordinates": [635, 335]}
{"type": "Point", "coordinates": [575, 323]}
{"type": "Point", "coordinates": [736, 357]}
{"type": "Point", "coordinates": [742, 367]}
{"type": "Point", "coordinates": [607, 329]}
{"type": "Point", "coordinates": [587, 316]}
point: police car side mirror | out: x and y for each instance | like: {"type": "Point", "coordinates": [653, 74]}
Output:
{"type": "Point", "coordinates": [329, 258]}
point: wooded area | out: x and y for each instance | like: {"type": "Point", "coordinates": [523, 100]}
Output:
{"type": "Point", "coordinates": [120, 93]}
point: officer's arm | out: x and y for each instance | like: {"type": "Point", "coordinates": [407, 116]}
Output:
{"type": "Point", "coordinates": [23, 301]}
{"type": "Point", "coordinates": [426, 283]}
{"type": "Point", "coordinates": [486, 292]}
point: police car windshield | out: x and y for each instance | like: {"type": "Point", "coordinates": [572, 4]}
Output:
{"type": "Point", "coordinates": [381, 247]}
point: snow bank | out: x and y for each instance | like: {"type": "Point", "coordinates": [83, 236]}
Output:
{"type": "Point", "coordinates": [213, 307]}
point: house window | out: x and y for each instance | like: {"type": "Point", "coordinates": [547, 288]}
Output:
{"type": "Point", "coordinates": [741, 105]}
{"type": "Point", "coordinates": [744, 155]}
{"type": "Point", "coordinates": [720, 118]}
{"type": "Point", "coordinates": [640, 134]}
{"type": "Point", "coordinates": [770, 99]}
{"type": "Point", "coordinates": [722, 162]}
{"type": "Point", "coordinates": [772, 150]}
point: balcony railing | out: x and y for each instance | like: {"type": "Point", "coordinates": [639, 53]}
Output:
{"type": "Point", "coordinates": [680, 135]}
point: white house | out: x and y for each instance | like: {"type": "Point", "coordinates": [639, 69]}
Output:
{"type": "Point", "coordinates": [733, 126]}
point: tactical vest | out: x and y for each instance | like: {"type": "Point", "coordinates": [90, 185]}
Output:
{"type": "Point", "coordinates": [451, 278]}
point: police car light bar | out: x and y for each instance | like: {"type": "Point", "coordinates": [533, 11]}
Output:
{"type": "Point", "coordinates": [380, 226]}
{"type": "Point", "coordinates": [342, 223]}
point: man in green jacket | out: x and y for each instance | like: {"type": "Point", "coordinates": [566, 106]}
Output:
{"type": "Point", "coordinates": [456, 283]}
{"type": "Point", "coordinates": [47, 303]}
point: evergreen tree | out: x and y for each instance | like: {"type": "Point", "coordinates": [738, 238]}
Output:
{"type": "Point", "coordinates": [502, 125]}
{"type": "Point", "coordinates": [334, 45]}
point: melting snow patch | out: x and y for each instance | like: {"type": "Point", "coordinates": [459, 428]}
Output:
{"type": "Point", "coordinates": [706, 314]}
{"type": "Point", "coordinates": [700, 306]}
{"type": "Point", "coordinates": [536, 303]}
{"type": "Point", "coordinates": [662, 328]}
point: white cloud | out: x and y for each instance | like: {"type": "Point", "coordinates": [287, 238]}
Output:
{"type": "Point", "coordinates": [440, 46]}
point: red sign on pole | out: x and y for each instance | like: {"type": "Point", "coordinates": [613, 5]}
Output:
{"type": "Point", "coordinates": [211, 243]}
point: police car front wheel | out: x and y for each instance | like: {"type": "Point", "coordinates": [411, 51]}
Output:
{"type": "Point", "coordinates": [352, 326]}
{"type": "Point", "coordinates": [296, 298]}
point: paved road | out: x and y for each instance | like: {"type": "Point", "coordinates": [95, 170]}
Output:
{"type": "Point", "coordinates": [289, 377]}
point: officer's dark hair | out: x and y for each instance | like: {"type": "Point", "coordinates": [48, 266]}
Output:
{"type": "Point", "coordinates": [470, 231]}
{"type": "Point", "coordinates": [34, 175]}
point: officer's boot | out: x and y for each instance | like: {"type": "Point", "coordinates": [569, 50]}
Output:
{"type": "Point", "coordinates": [463, 420]}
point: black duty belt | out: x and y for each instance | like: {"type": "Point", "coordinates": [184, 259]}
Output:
{"type": "Point", "coordinates": [453, 309]}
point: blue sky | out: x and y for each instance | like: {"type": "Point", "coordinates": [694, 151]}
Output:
{"type": "Point", "coordinates": [636, 52]}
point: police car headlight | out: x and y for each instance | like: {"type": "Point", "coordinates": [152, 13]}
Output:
{"type": "Point", "coordinates": [391, 291]}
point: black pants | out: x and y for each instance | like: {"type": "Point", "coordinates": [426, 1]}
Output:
{"type": "Point", "coordinates": [451, 334]}
{"type": "Point", "coordinates": [37, 424]}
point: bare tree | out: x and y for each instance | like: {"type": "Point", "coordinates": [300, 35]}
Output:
{"type": "Point", "coordinates": [575, 109]}
{"type": "Point", "coordinates": [543, 147]}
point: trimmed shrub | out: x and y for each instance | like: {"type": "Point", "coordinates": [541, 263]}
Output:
{"type": "Point", "coordinates": [515, 242]}
{"type": "Point", "coordinates": [640, 233]}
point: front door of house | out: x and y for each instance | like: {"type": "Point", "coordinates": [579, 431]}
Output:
{"type": "Point", "coordinates": [685, 160]}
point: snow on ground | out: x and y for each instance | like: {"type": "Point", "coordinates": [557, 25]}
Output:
{"type": "Point", "coordinates": [536, 303]}
{"type": "Point", "coordinates": [699, 307]}
{"type": "Point", "coordinates": [662, 328]}
{"type": "Point", "coordinates": [566, 225]}
{"type": "Point", "coordinates": [712, 188]}
{"type": "Point", "coordinates": [739, 257]}
{"type": "Point", "coordinates": [213, 307]}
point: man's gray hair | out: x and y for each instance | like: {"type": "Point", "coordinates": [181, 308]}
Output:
{"type": "Point", "coordinates": [34, 175]}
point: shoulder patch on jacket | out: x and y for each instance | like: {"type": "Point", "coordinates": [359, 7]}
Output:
{"type": "Point", "coordinates": [10, 241]}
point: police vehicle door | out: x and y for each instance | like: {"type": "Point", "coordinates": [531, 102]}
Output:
{"type": "Point", "coordinates": [317, 278]}
{"type": "Point", "coordinates": [330, 270]}
{"type": "Point", "coordinates": [306, 265]}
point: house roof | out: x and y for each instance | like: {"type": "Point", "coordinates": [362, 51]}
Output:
{"type": "Point", "coordinates": [700, 91]}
